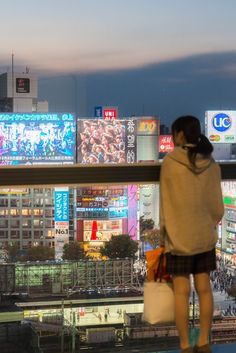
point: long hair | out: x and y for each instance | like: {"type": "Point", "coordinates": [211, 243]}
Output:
{"type": "Point", "coordinates": [198, 143]}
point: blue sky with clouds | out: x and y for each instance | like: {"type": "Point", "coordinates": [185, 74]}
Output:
{"type": "Point", "coordinates": [162, 57]}
{"type": "Point", "coordinates": [90, 35]}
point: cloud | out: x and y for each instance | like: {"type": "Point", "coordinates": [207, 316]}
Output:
{"type": "Point", "coordinates": [169, 89]}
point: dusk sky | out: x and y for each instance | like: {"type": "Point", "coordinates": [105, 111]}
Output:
{"type": "Point", "coordinates": [168, 46]}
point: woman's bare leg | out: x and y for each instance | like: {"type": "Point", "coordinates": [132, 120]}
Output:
{"type": "Point", "coordinates": [203, 287]}
{"type": "Point", "coordinates": [182, 292]}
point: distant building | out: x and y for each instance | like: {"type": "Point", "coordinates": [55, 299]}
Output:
{"type": "Point", "coordinates": [164, 130]}
{"type": "Point", "coordinates": [19, 93]}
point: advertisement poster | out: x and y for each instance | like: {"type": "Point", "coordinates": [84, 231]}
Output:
{"type": "Point", "coordinates": [37, 138]}
{"type": "Point", "coordinates": [106, 141]}
{"type": "Point", "coordinates": [221, 126]}
{"type": "Point", "coordinates": [61, 218]}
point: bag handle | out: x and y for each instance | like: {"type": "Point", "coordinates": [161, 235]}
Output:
{"type": "Point", "coordinates": [159, 272]}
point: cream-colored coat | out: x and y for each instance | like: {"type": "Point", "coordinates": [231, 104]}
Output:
{"type": "Point", "coordinates": [191, 203]}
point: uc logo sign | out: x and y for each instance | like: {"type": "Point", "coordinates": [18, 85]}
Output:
{"type": "Point", "coordinates": [221, 122]}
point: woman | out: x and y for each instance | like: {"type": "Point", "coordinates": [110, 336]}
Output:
{"type": "Point", "coordinates": [191, 206]}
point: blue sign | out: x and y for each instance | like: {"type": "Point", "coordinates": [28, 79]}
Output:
{"type": "Point", "coordinates": [61, 201]}
{"type": "Point", "coordinates": [98, 112]}
{"type": "Point", "coordinates": [221, 122]}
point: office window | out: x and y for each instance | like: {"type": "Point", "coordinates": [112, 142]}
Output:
{"type": "Point", "coordinates": [3, 223]}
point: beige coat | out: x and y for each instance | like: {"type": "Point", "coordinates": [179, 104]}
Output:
{"type": "Point", "coordinates": [191, 203]}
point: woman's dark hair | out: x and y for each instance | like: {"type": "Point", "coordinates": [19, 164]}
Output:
{"type": "Point", "coordinates": [191, 128]}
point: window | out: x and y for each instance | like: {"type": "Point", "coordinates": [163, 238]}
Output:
{"type": "Point", "coordinates": [4, 202]}
{"type": "Point", "coordinates": [3, 223]}
{"type": "Point", "coordinates": [49, 223]}
{"type": "Point", "coordinates": [38, 212]}
{"type": "Point", "coordinates": [26, 223]}
{"type": "Point", "coordinates": [14, 223]}
{"type": "Point", "coordinates": [26, 202]}
{"type": "Point", "coordinates": [26, 234]}
{"type": "Point", "coordinates": [38, 234]}
{"type": "Point", "coordinates": [14, 202]}
{"type": "Point", "coordinates": [14, 212]}
{"type": "Point", "coordinates": [15, 234]}
{"type": "Point", "coordinates": [3, 234]}
{"type": "Point", "coordinates": [38, 223]}
{"type": "Point", "coordinates": [49, 213]}
{"type": "Point", "coordinates": [26, 212]}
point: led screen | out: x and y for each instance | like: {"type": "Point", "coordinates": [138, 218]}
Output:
{"type": "Point", "coordinates": [39, 138]}
{"type": "Point", "coordinates": [105, 141]}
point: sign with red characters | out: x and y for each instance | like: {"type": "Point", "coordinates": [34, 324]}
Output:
{"type": "Point", "coordinates": [109, 113]}
{"type": "Point", "coordinates": [165, 143]}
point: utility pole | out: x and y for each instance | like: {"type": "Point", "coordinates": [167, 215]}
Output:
{"type": "Point", "coordinates": [62, 327]}
{"type": "Point", "coordinates": [73, 333]}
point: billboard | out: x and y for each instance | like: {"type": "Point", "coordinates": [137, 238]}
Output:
{"type": "Point", "coordinates": [166, 144]}
{"type": "Point", "coordinates": [61, 217]}
{"type": "Point", "coordinates": [22, 85]}
{"type": "Point", "coordinates": [110, 113]}
{"type": "Point", "coordinates": [106, 141]}
{"type": "Point", "coordinates": [37, 138]}
{"type": "Point", "coordinates": [221, 126]}
{"type": "Point", "coordinates": [148, 126]}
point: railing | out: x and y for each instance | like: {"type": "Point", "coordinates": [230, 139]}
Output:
{"type": "Point", "coordinates": [91, 174]}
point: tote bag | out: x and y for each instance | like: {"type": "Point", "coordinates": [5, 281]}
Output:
{"type": "Point", "coordinates": [158, 302]}
{"type": "Point", "coordinates": [159, 296]}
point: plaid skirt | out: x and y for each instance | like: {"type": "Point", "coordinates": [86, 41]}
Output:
{"type": "Point", "coordinates": [185, 265]}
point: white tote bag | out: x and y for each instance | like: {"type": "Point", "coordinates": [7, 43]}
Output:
{"type": "Point", "coordinates": [158, 302]}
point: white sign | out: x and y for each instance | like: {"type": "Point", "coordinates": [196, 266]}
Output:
{"type": "Point", "coordinates": [221, 126]}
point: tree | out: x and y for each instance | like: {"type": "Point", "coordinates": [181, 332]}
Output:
{"type": "Point", "coordinates": [73, 251]}
{"type": "Point", "coordinates": [39, 253]}
{"type": "Point", "coordinates": [13, 252]}
{"type": "Point", "coordinates": [120, 246]}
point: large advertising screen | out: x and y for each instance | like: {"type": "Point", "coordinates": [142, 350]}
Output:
{"type": "Point", "coordinates": [221, 126]}
{"type": "Point", "coordinates": [106, 141]}
{"type": "Point", "coordinates": [38, 138]}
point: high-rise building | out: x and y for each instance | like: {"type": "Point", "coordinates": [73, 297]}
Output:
{"type": "Point", "coordinates": [19, 93]}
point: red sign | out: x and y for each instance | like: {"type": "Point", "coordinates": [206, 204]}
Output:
{"type": "Point", "coordinates": [165, 143]}
{"type": "Point", "coordinates": [109, 113]}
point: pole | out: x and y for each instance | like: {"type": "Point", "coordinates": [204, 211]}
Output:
{"type": "Point", "coordinates": [73, 333]}
{"type": "Point", "coordinates": [12, 79]}
{"type": "Point", "coordinates": [62, 328]}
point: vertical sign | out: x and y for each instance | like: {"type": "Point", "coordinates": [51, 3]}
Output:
{"type": "Point", "coordinates": [98, 112]}
{"type": "Point", "coordinates": [61, 216]}
{"type": "Point", "coordinates": [131, 143]}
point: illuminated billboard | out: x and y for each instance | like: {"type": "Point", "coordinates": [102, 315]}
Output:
{"type": "Point", "coordinates": [221, 126]}
{"type": "Point", "coordinates": [106, 141]}
{"type": "Point", "coordinates": [38, 138]}
{"type": "Point", "coordinates": [22, 85]}
{"type": "Point", "coordinates": [148, 126]}
{"type": "Point", "coordinates": [166, 144]}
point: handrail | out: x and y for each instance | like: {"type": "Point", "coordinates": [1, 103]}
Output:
{"type": "Point", "coordinates": [72, 175]}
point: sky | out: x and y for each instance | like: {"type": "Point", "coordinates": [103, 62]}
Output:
{"type": "Point", "coordinates": [87, 44]}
